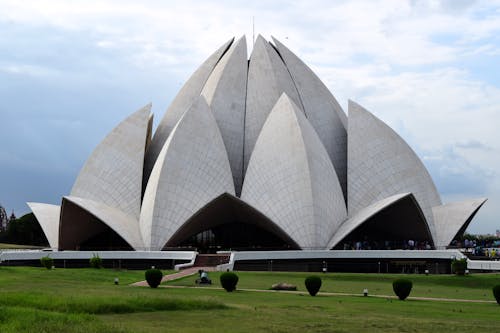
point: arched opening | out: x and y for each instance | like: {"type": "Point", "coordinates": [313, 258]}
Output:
{"type": "Point", "coordinates": [80, 230]}
{"type": "Point", "coordinates": [401, 225]}
{"type": "Point", "coordinates": [229, 223]}
{"type": "Point", "coordinates": [107, 240]}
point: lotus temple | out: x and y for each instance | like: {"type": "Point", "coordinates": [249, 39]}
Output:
{"type": "Point", "coordinates": [254, 154]}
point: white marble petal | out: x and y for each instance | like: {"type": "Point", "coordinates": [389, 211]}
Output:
{"type": "Point", "coordinates": [291, 179]}
{"type": "Point", "coordinates": [322, 110]}
{"type": "Point", "coordinates": [112, 175]}
{"type": "Point", "coordinates": [381, 164]}
{"type": "Point", "coordinates": [189, 92]}
{"type": "Point", "coordinates": [225, 92]}
{"type": "Point", "coordinates": [48, 217]}
{"type": "Point", "coordinates": [191, 170]}
{"type": "Point", "coordinates": [453, 218]}
{"type": "Point", "coordinates": [268, 78]}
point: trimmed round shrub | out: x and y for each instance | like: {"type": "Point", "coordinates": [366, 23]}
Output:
{"type": "Point", "coordinates": [313, 284]}
{"type": "Point", "coordinates": [153, 277]}
{"type": "Point", "coordinates": [496, 293]}
{"type": "Point", "coordinates": [229, 280]}
{"type": "Point", "coordinates": [402, 288]}
{"type": "Point", "coordinates": [47, 262]}
{"type": "Point", "coordinates": [95, 261]}
{"type": "Point", "coordinates": [459, 266]}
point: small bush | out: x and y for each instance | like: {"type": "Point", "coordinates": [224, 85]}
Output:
{"type": "Point", "coordinates": [153, 277]}
{"type": "Point", "coordinates": [496, 293]}
{"type": "Point", "coordinates": [402, 288]}
{"type": "Point", "coordinates": [229, 280]}
{"type": "Point", "coordinates": [459, 266]}
{"type": "Point", "coordinates": [313, 284]}
{"type": "Point", "coordinates": [95, 261]}
{"type": "Point", "coordinates": [47, 262]}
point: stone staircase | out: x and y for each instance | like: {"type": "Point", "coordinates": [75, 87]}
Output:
{"type": "Point", "coordinates": [211, 260]}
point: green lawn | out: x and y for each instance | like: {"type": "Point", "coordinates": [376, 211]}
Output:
{"type": "Point", "coordinates": [474, 287]}
{"type": "Point", "coordinates": [86, 300]}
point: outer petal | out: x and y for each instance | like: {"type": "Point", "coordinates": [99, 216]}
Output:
{"type": "Point", "coordinates": [322, 110]}
{"type": "Point", "coordinates": [192, 169]}
{"type": "Point", "coordinates": [291, 179]}
{"type": "Point", "coordinates": [452, 219]}
{"type": "Point", "coordinates": [225, 92]}
{"type": "Point", "coordinates": [48, 217]}
{"type": "Point", "coordinates": [409, 225]}
{"type": "Point", "coordinates": [381, 164]}
{"type": "Point", "coordinates": [268, 78]}
{"type": "Point", "coordinates": [112, 175]}
{"type": "Point", "coordinates": [76, 227]}
{"type": "Point", "coordinates": [186, 96]}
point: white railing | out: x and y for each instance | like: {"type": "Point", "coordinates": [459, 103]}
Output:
{"type": "Point", "coordinates": [68, 255]}
{"type": "Point", "coordinates": [483, 265]}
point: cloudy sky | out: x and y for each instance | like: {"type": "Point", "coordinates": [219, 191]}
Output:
{"type": "Point", "coordinates": [71, 70]}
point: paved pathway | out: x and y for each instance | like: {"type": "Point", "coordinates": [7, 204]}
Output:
{"type": "Point", "coordinates": [175, 276]}
{"type": "Point", "coordinates": [416, 298]}
{"type": "Point", "coordinates": [194, 270]}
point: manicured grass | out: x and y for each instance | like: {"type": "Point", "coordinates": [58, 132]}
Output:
{"type": "Point", "coordinates": [86, 300]}
{"type": "Point", "coordinates": [31, 295]}
{"type": "Point", "coordinates": [19, 319]}
{"type": "Point", "coordinates": [474, 286]}
{"type": "Point", "coordinates": [274, 312]}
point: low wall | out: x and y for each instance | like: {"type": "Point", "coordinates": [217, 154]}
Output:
{"type": "Point", "coordinates": [110, 259]}
{"type": "Point", "coordinates": [483, 265]}
{"type": "Point", "coordinates": [367, 261]}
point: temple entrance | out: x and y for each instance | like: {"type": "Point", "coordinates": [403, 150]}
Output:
{"type": "Point", "coordinates": [235, 236]}
{"type": "Point", "coordinates": [229, 223]}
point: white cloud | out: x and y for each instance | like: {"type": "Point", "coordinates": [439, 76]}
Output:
{"type": "Point", "coordinates": [390, 30]}
{"type": "Point", "coordinates": [26, 69]}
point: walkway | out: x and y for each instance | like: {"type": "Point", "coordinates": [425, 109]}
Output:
{"type": "Point", "coordinates": [175, 276]}
{"type": "Point", "coordinates": [194, 270]}
{"type": "Point", "coordinates": [414, 298]}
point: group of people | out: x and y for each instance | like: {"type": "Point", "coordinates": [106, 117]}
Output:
{"type": "Point", "coordinates": [491, 253]}
{"type": "Point", "coordinates": [487, 248]}
{"type": "Point", "coordinates": [388, 245]}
